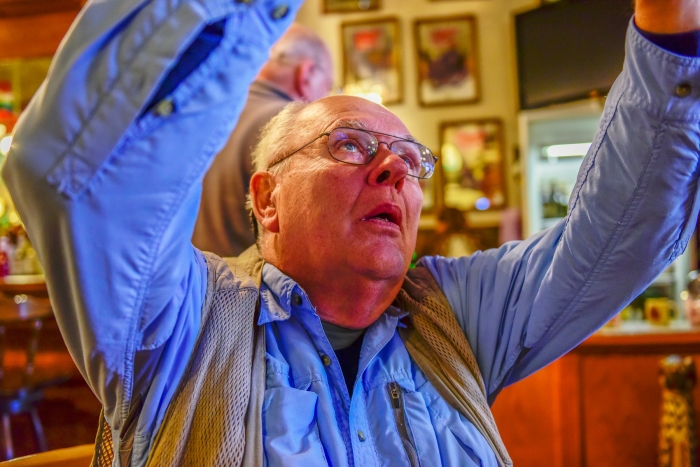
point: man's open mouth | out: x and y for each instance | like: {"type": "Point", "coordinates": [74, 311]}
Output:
{"type": "Point", "coordinates": [389, 213]}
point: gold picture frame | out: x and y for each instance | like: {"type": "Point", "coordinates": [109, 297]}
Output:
{"type": "Point", "coordinates": [372, 59]}
{"type": "Point", "coordinates": [446, 50]}
{"type": "Point", "coordinates": [349, 6]}
{"type": "Point", "coordinates": [472, 164]}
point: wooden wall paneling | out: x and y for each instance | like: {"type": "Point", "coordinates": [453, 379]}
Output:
{"type": "Point", "coordinates": [570, 432]}
{"type": "Point", "coordinates": [33, 36]}
{"type": "Point", "coordinates": [10, 8]}
{"type": "Point", "coordinates": [618, 393]}
{"type": "Point", "coordinates": [525, 416]}
{"type": "Point", "coordinates": [622, 406]}
{"type": "Point", "coordinates": [597, 406]}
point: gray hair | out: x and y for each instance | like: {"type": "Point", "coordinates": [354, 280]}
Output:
{"type": "Point", "coordinates": [274, 143]}
{"type": "Point", "coordinates": [275, 137]}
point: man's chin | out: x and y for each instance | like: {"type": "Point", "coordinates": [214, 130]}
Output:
{"type": "Point", "coordinates": [382, 265]}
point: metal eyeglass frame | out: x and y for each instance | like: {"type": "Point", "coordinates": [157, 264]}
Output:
{"type": "Point", "coordinates": [328, 133]}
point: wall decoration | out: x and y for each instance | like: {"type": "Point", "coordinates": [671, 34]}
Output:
{"type": "Point", "coordinates": [372, 59]}
{"type": "Point", "coordinates": [447, 58]}
{"type": "Point", "coordinates": [348, 6]}
{"type": "Point", "coordinates": [472, 164]}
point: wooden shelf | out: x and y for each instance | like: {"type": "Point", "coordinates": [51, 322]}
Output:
{"type": "Point", "coordinates": [32, 286]}
{"type": "Point", "coordinates": [661, 340]}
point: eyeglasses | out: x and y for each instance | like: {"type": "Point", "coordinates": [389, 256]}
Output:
{"type": "Point", "coordinates": [358, 147]}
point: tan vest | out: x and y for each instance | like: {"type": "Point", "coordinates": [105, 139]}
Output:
{"type": "Point", "coordinates": [215, 419]}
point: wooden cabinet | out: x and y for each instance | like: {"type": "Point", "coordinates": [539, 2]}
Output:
{"type": "Point", "coordinates": [35, 35]}
{"type": "Point", "coordinates": [597, 406]}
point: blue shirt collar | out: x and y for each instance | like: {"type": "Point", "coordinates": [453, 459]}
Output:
{"type": "Point", "coordinates": [279, 295]}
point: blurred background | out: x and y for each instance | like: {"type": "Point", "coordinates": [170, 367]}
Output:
{"type": "Point", "coordinates": [508, 94]}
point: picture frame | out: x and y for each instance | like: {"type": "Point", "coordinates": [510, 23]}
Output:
{"type": "Point", "coordinates": [447, 59]}
{"type": "Point", "coordinates": [349, 6]}
{"type": "Point", "coordinates": [372, 64]}
{"type": "Point", "coordinates": [472, 164]}
{"type": "Point", "coordinates": [427, 186]}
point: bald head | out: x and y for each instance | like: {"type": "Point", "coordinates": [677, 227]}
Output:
{"type": "Point", "coordinates": [300, 65]}
{"type": "Point", "coordinates": [300, 122]}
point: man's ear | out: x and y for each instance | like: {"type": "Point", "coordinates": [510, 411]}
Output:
{"type": "Point", "coordinates": [303, 79]}
{"type": "Point", "coordinates": [262, 196]}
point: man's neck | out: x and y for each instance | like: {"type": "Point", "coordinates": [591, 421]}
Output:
{"type": "Point", "coordinates": [352, 301]}
{"type": "Point", "coordinates": [270, 87]}
{"type": "Point", "coordinates": [282, 82]}
{"type": "Point", "coordinates": [341, 296]}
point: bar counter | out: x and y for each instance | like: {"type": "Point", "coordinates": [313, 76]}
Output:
{"type": "Point", "coordinates": [598, 405]}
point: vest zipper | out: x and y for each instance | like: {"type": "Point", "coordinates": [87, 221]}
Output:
{"type": "Point", "coordinates": [396, 398]}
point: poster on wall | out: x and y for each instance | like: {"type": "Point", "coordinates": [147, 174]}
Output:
{"type": "Point", "coordinates": [446, 55]}
{"type": "Point", "coordinates": [348, 6]}
{"type": "Point", "coordinates": [472, 163]}
{"type": "Point", "coordinates": [372, 59]}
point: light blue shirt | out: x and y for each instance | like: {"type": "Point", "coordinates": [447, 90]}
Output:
{"type": "Point", "coordinates": [108, 187]}
{"type": "Point", "coordinates": [309, 418]}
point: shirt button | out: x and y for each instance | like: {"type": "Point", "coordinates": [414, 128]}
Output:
{"type": "Point", "coordinates": [296, 299]}
{"type": "Point", "coordinates": [165, 107]}
{"type": "Point", "coordinates": [361, 436]}
{"type": "Point", "coordinates": [683, 90]}
{"type": "Point", "coordinates": [326, 360]}
{"type": "Point", "coordinates": [280, 12]}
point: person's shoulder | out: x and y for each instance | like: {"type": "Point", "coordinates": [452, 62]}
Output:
{"type": "Point", "coordinates": [231, 273]}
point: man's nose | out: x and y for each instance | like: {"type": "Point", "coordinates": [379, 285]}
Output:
{"type": "Point", "coordinates": [388, 168]}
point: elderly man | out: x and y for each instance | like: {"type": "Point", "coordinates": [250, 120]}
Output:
{"type": "Point", "coordinates": [319, 348]}
{"type": "Point", "coordinates": [299, 69]}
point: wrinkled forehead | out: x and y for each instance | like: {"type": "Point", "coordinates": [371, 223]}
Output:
{"type": "Point", "coordinates": [354, 112]}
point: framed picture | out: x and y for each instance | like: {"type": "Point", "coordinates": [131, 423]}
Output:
{"type": "Point", "coordinates": [472, 164]}
{"type": "Point", "coordinates": [349, 6]}
{"type": "Point", "coordinates": [447, 59]}
{"type": "Point", "coordinates": [372, 59]}
{"type": "Point", "coordinates": [427, 185]}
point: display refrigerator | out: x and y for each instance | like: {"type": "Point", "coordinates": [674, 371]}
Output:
{"type": "Point", "coordinates": [553, 142]}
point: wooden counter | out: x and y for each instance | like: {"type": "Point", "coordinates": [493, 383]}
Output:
{"type": "Point", "coordinates": [597, 406]}
{"type": "Point", "coordinates": [28, 285]}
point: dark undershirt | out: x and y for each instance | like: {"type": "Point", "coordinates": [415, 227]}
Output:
{"type": "Point", "coordinates": [347, 344]}
{"type": "Point", "coordinates": [686, 43]}
{"type": "Point", "coordinates": [349, 360]}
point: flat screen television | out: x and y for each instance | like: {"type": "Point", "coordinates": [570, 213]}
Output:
{"type": "Point", "coordinates": [570, 50]}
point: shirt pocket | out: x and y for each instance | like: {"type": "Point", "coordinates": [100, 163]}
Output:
{"type": "Point", "coordinates": [458, 446]}
{"type": "Point", "coordinates": [406, 431]}
{"type": "Point", "coordinates": [290, 429]}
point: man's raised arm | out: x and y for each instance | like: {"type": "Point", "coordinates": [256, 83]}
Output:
{"type": "Point", "coordinates": [105, 171]}
{"type": "Point", "coordinates": [632, 212]}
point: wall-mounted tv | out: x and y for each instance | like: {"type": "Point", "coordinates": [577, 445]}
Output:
{"type": "Point", "coordinates": [570, 49]}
